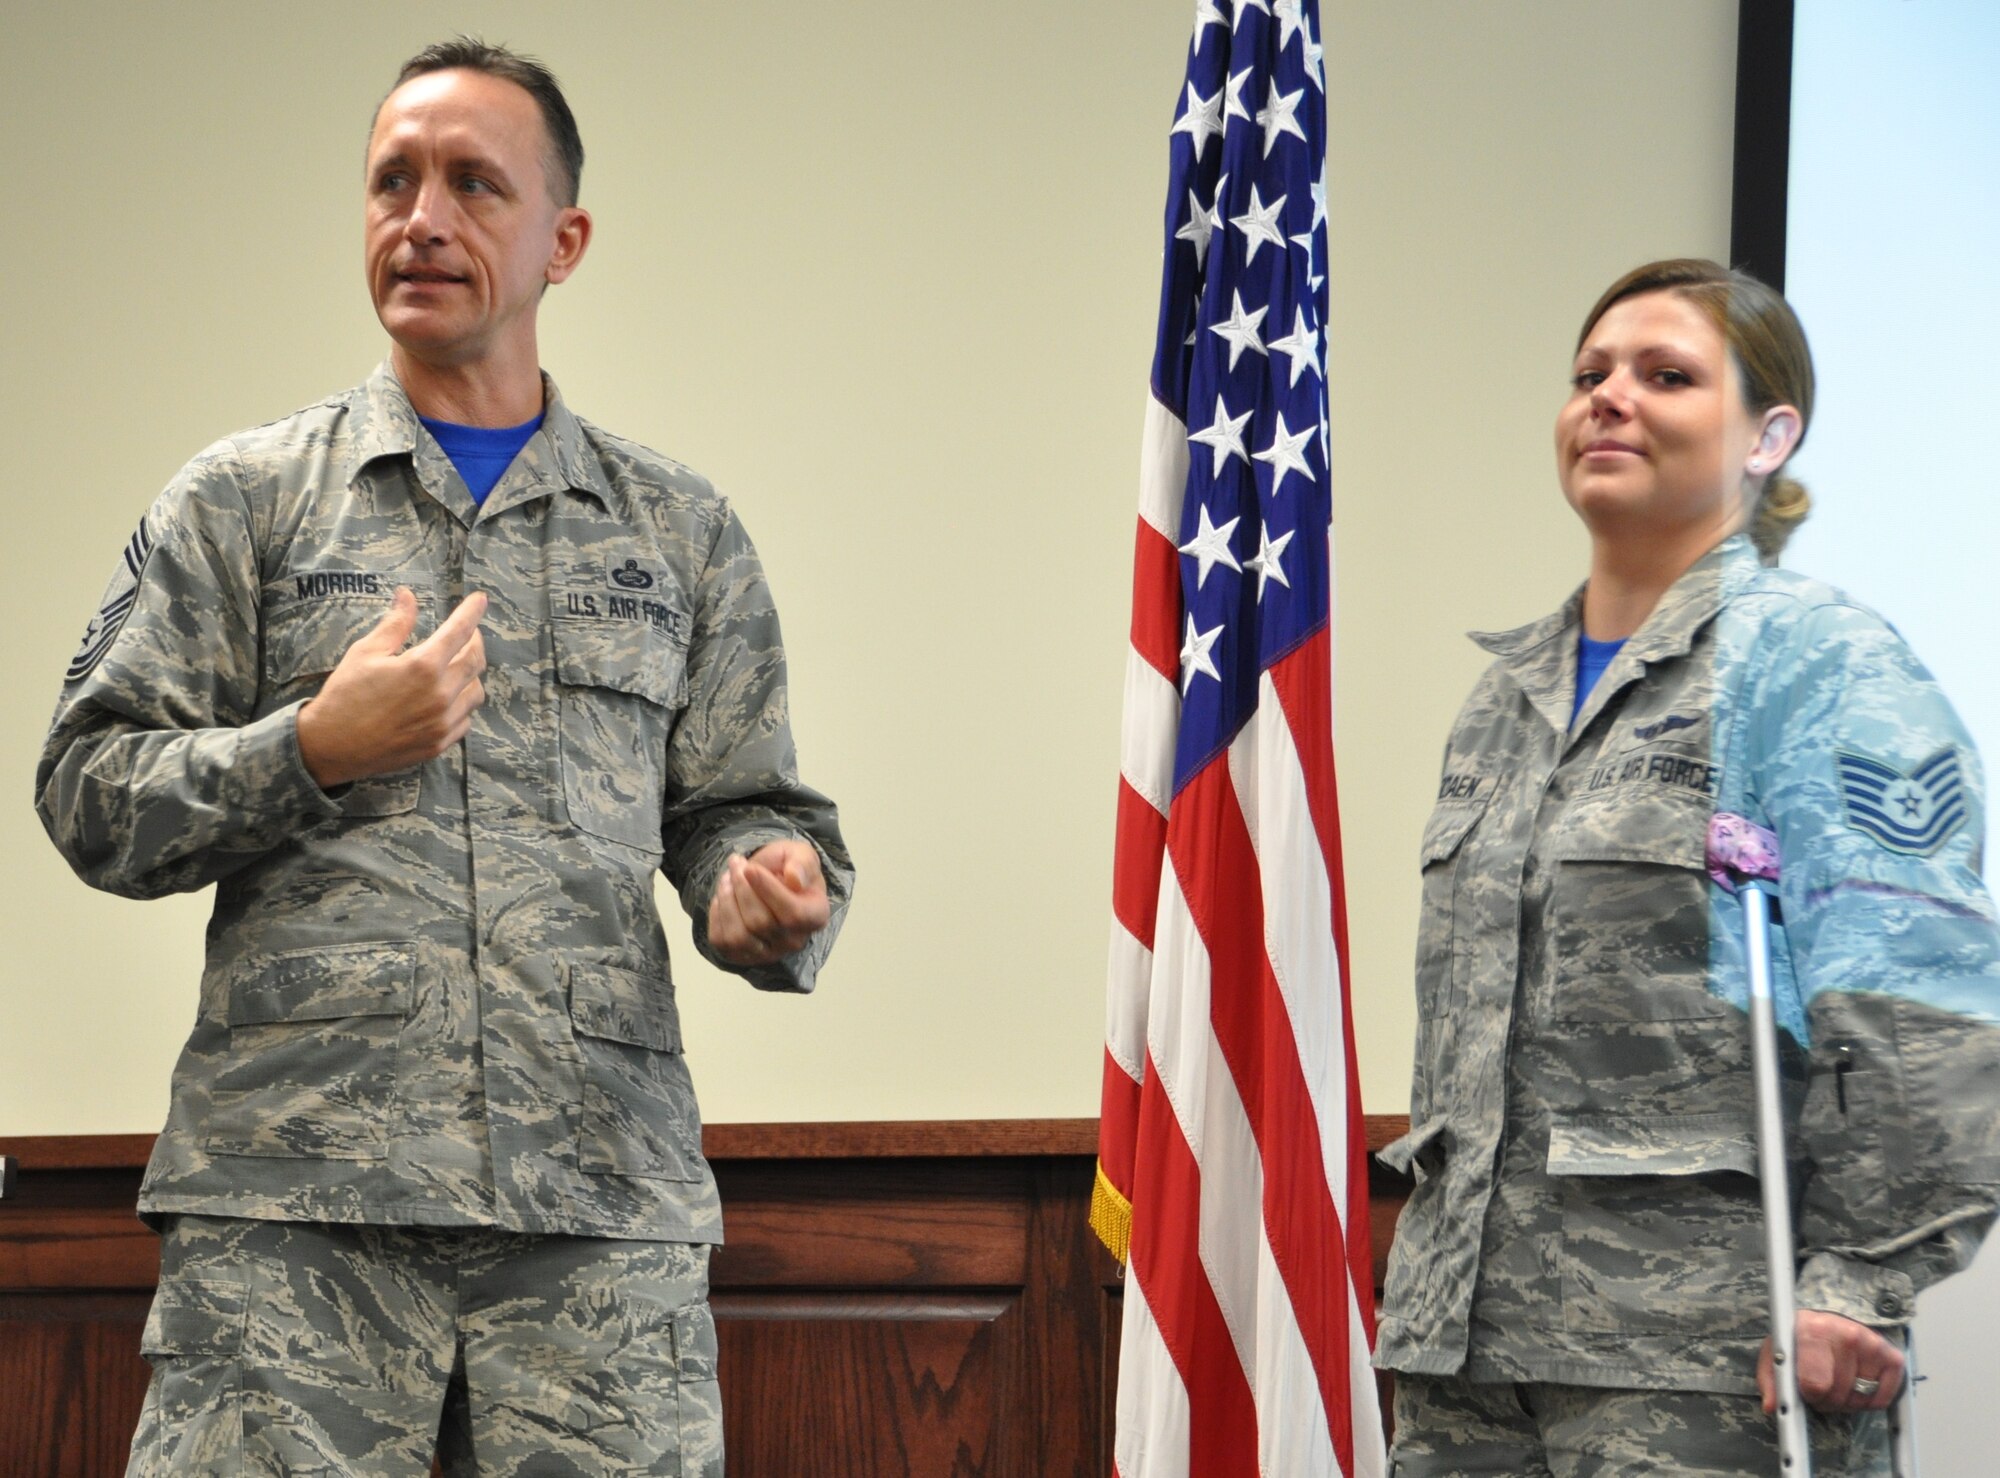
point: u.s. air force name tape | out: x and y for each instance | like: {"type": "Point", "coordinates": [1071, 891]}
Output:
{"type": "Point", "coordinates": [116, 605]}
{"type": "Point", "coordinates": [1912, 813]}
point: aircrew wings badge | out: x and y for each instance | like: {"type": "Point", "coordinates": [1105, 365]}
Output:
{"type": "Point", "coordinates": [1911, 813]}
{"type": "Point", "coordinates": [116, 605]}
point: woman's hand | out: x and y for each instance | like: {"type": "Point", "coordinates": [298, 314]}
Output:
{"type": "Point", "coordinates": [1833, 1354]}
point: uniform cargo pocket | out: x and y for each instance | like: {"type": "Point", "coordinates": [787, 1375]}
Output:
{"type": "Point", "coordinates": [1662, 1225]}
{"type": "Point", "coordinates": [1629, 912]}
{"type": "Point", "coordinates": [620, 683]}
{"type": "Point", "coordinates": [1442, 937]}
{"type": "Point", "coordinates": [192, 1421]}
{"type": "Point", "coordinates": [304, 640]}
{"type": "Point", "coordinates": [638, 1113]}
{"type": "Point", "coordinates": [313, 1047]}
{"type": "Point", "coordinates": [697, 1395]}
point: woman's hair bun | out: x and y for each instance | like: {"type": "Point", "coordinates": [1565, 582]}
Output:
{"type": "Point", "coordinates": [1782, 509]}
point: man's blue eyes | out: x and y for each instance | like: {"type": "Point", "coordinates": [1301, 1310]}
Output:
{"type": "Point", "coordinates": [471, 184]}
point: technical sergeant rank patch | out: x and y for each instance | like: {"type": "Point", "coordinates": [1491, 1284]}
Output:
{"type": "Point", "coordinates": [1911, 813]}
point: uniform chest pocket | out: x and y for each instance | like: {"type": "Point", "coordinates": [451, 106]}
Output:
{"type": "Point", "coordinates": [304, 640]}
{"type": "Point", "coordinates": [1629, 909]}
{"type": "Point", "coordinates": [1443, 937]}
{"type": "Point", "coordinates": [619, 685]}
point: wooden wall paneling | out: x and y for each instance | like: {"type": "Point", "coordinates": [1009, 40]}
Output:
{"type": "Point", "coordinates": [922, 1299]}
{"type": "Point", "coordinates": [870, 1314]}
{"type": "Point", "coordinates": [71, 1380]}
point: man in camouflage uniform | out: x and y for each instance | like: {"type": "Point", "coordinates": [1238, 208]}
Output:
{"type": "Point", "coordinates": [432, 1173]}
{"type": "Point", "coordinates": [1583, 1251]}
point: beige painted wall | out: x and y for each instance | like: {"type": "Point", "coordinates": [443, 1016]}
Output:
{"type": "Point", "coordinates": [887, 274]}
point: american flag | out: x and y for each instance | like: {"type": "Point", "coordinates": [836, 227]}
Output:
{"type": "Point", "coordinates": [1232, 1175]}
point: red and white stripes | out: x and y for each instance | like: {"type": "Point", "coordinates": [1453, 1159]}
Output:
{"type": "Point", "coordinates": [1231, 1148]}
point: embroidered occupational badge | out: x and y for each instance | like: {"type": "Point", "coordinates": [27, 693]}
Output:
{"type": "Point", "coordinates": [116, 605]}
{"type": "Point", "coordinates": [1911, 813]}
{"type": "Point", "coordinates": [632, 576]}
{"type": "Point", "coordinates": [1665, 726]}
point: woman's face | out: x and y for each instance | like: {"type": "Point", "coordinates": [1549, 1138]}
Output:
{"type": "Point", "coordinates": [1654, 438]}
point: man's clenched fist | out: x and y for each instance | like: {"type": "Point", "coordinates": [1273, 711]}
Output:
{"type": "Point", "coordinates": [384, 709]}
{"type": "Point", "coordinates": [767, 905]}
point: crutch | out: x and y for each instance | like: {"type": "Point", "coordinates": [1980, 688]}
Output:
{"type": "Point", "coordinates": [1744, 858]}
{"type": "Point", "coordinates": [1759, 897]}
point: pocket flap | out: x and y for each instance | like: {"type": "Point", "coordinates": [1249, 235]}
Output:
{"type": "Point", "coordinates": [1651, 825]}
{"type": "Point", "coordinates": [694, 1343]}
{"type": "Point", "coordinates": [323, 984]}
{"type": "Point", "coordinates": [626, 656]}
{"type": "Point", "coordinates": [1673, 1144]}
{"type": "Point", "coordinates": [623, 1006]}
{"type": "Point", "coordinates": [193, 1316]}
{"type": "Point", "coordinates": [307, 638]}
{"type": "Point", "coordinates": [1400, 1154]}
{"type": "Point", "coordinates": [1449, 825]}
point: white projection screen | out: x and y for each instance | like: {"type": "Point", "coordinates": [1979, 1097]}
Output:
{"type": "Point", "coordinates": [1891, 240]}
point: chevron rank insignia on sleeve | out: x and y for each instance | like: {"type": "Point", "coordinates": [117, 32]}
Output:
{"type": "Point", "coordinates": [1911, 813]}
{"type": "Point", "coordinates": [116, 605]}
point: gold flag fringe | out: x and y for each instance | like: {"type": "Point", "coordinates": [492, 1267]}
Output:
{"type": "Point", "coordinates": [1110, 1216]}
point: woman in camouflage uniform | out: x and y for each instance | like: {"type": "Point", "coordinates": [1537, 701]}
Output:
{"type": "Point", "coordinates": [1577, 1284]}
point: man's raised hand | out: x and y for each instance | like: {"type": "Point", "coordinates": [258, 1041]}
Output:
{"type": "Point", "coordinates": [383, 709]}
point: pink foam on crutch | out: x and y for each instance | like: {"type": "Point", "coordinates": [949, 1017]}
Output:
{"type": "Point", "coordinates": [1739, 849]}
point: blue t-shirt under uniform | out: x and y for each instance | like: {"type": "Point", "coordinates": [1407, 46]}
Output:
{"type": "Point", "coordinates": [481, 453]}
{"type": "Point", "coordinates": [1592, 657]}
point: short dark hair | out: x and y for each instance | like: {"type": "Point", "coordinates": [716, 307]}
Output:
{"type": "Point", "coordinates": [564, 161]}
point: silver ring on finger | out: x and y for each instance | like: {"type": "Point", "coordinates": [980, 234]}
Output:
{"type": "Point", "coordinates": [1864, 1387]}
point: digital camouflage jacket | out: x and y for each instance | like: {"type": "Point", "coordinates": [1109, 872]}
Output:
{"type": "Point", "coordinates": [1586, 1208]}
{"type": "Point", "coordinates": [440, 996]}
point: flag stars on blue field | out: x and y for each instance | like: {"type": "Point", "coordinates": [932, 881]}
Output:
{"type": "Point", "coordinates": [1275, 118]}
{"type": "Point", "coordinates": [1268, 561]}
{"type": "Point", "coordinates": [1200, 120]}
{"type": "Point", "coordinates": [1259, 224]}
{"type": "Point", "coordinates": [1224, 437]}
{"type": "Point", "coordinates": [1232, 106]}
{"type": "Point", "coordinates": [1286, 453]}
{"type": "Point", "coordinates": [1301, 345]}
{"type": "Point", "coordinates": [1267, 516]}
{"type": "Point", "coordinates": [1198, 229]}
{"type": "Point", "coordinates": [1210, 547]}
{"type": "Point", "coordinates": [1290, 18]}
{"type": "Point", "coordinates": [1195, 658]}
{"type": "Point", "coordinates": [1240, 329]}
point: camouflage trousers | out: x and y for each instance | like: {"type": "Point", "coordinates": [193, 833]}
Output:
{"type": "Point", "coordinates": [1447, 1427]}
{"type": "Point", "coordinates": [360, 1351]}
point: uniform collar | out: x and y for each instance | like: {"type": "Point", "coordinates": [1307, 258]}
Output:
{"type": "Point", "coordinates": [1541, 656]}
{"type": "Point", "coordinates": [557, 456]}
